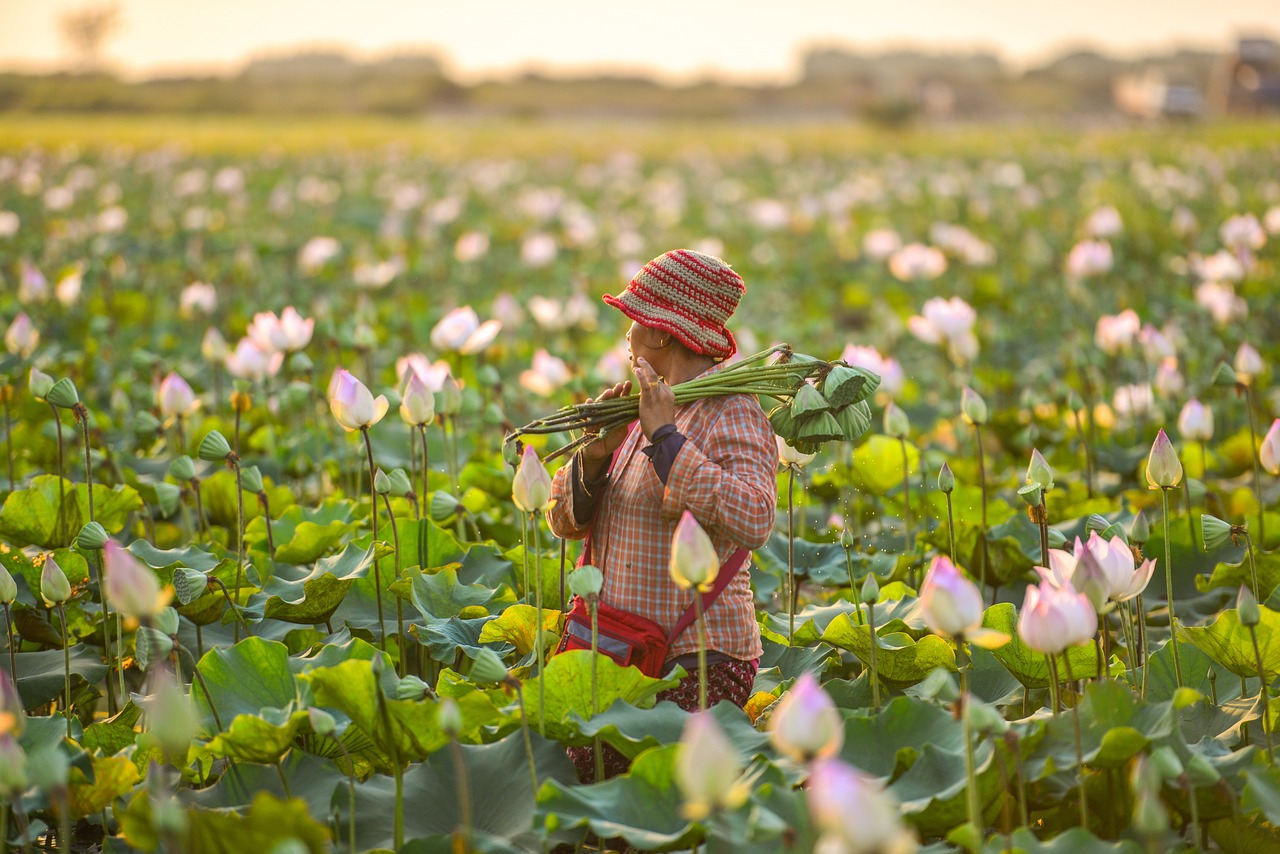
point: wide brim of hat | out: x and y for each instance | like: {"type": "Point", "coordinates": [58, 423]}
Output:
{"type": "Point", "coordinates": [713, 341]}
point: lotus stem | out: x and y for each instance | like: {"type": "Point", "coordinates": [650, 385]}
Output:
{"type": "Point", "coordinates": [266, 517]}
{"type": "Point", "coordinates": [66, 677]}
{"type": "Point", "coordinates": [906, 507]}
{"type": "Point", "coordinates": [1253, 567]}
{"type": "Point", "coordinates": [1257, 469]}
{"type": "Point", "coordinates": [1204, 462]}
{"type": "Point", "coordinates": [1168, 580]}
{"type": "Point", "coordinates": [528, 739]}
{"type": "Point", "coordinates": [464, 793]}
{"type": "Point", "coordinates": [1191, 525]}
{"type": "Point", "coordinates": [235, 610]}
{"type": "Point", "coordinates": [875, 673]}
{"type": "Point", "coordinates": [8, 627]}
{"type": "Point", "coordinates": [8, 440]}
{"type": "Point", "coordinates": [538, 629]}
{"type": "Point", "coordinates": [425, 499]}
{"type": "Point", "coordinates": [62, 491]}
{"type": "Point", "coordinates": [1084, 797]}
{"type": "Point", "coordinates": [1263, 693]}
{"type": "Point", "coordinates": [1053, 683]}
{"type": "Point", "coordinates": [239, 543]}
{"type": "Point", "coordinates": [1141, 626]}
{"type": "Point", "coordinates": [524, 540]}
{"type": "Point", "coordinates": [399, 821]}
{"type": "Point", "coordinates": [395, 540]}
{"type": "Point", "coordinates": [1088, 461]}
{"type": "Point", "coordinates": [792, 596]}
{"type": "Point", "coordinates": [702, 651]}
{"type": "Point", "coordinates": [982, 482]}
{"type": "Point", "coordinates": [848, 565]}
{"type": "Point", "coordinates": [951, 533]}
{"type": "Point", "coordinates": [373, 519]}
{"type": "Point", "coordinates": [970, 765]}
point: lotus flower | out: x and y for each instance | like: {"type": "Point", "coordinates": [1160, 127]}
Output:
{"type": "Point", "coordinates": [531, 488]}
{"type": "Point", "coordinates": [1242, 232]}
{"type": "Point", "coordinates": [547, 374]}
{"type": "Point", "coordinates": [1220, 300]}
{"type": "Point", "coordinates": [431, 373]}
{"type": "Point", "coordinates": [175, 397]}
{"type": "Point", "coordinates": [352, 404]}
{"type": "Point", "coordinates": [131, 588]}
{"type": "Point", "coordinates": [1195, 421]}
{"type": "Point", "coordinates": [22, 337]}
{"type": "Point", "coordinates": [1169, 382]}
{"type": "Point", "coordinates": [317, 252]}
{"type": "Point", "coordinates": [1106, 569]}
{"type": "Point", "coordinates": [287, 333]}
{"type": "Point", "coordinates": [1269, 453]}
{"type": "Point", "coordinates": [709, 769]}
{"type": "Point", "coordinates": [952, 605]}
{"type": "Point", "coordinates": [1157, 344]}
{"type": "Point", "coordinates": [1219, 267]}
{"type": "Point", "coordinates": [806, 724]}
{"type": "Point", "coordinates": [1115, 333]}
{"type": "Point", "coordinates": [789, 456]}
{"type": "Point", "coordinates": [8, 587]}
{"type": "Point", "coordinates": [538, 250]}
{"type": "Point", "coordinates": [418, 403]}
{"type": "Point", "coordinates": [1038, 470]}
{"type": "Point", "coordinates": [54, 586]}
{"type": "Point", "coordinates": [892, 377]}
{"type": "Point", "coordinates": [1163, 468]}
{"type": "Point", "coordinates": [879, 243]}
{"type": "Point", "coordinates": [68, 288]}
{"type": "Point", "coordinates": [1089, 258]}
{"type": "Point", "coordinates": [948, 322]}
{"type": "Point", "coordinates": [1054, 618]}
{"type": "Point", "coordinates": [972, 407]}
{"type": "Point", "coordinates": [694, 561]}
{"type": "Point", "coordinates": [33, 287]}
{"type": "Point", "coordinates": [471, 246]}
{"type": "Point", "coordinates": [1248, 364]}
{"type": "Point", "coordinates": [213, 346]}
{"type": "Point", "coordinates": [917, 262]}
{"type": "Point", "coordinates": [9, 222]}
{"type": "Point", "coordinates": [461, 330]}
{"type": "Point", "coordinates": [251, 362]}
{"type": "Point", "coordinates": [1104, 222]}
{"type": "Point", "coordinates": [854, 814]}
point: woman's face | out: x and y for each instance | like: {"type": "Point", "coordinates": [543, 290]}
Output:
{"type": "Point", "coordinates": [647, 343]}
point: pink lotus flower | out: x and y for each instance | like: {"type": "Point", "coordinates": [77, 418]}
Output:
{"type": "Point", "coordinates": [251, 362]}
{"type": "Point", "coordinates": [1195, 421]}
{"type": "Point", "coordinates": [1243, 231]}
{"type": "Point", "coordinates": [9, 223]}
{"type": "Point", "coordinates": [1248, 364]}
{"type": "Point", "coordinates": [1269, 453]}
{"type": "Point", "coordinates": [371, 275]}
{"type": "Point", "coordinates": [806, 724]}
{"type": "Point", "coordinates": [892, 377]}
{"type": "Point", "coordinates": [1220, 300]}
{"type": "Point", "coordinates": [1218, 267]}
{"type": "Point", "coordinates": [879, 243]}
{"type": "Point", "coordinates": [317, 252]}
{"type": "Point", "coordinates": [1089, 258]}
{"type": "Point", "coordinates": [789, 456]}
{"type": "Point", "coordinates": [1106, 570]}
{"type": "Point", "coordinates": [1184, 222]}
{"type": "Point", "coordinates": [1169, 382]}
{"type": "Point", "coordinates": [431, 373]}
{"type": "Point", "coordinates": [1157, 344]}
{"type": "Point", "coordinates": [694, 562]}
{"type": "Point", "coordinates": [352, 404]}
{"type": "Point", "coordinates": [287, 333]}
{"type": "Point", "coordinates": [531, 489]}
{"type": "Point", "coordinates": [67, 291]}
{"type": "Point", "coordinates": [547, 374]}
{"type": "Point", "coordinates": [948, 322]}
{"type": "Point", "coordinates": [917, 262]}
{"type": "Point", "coordinates": [1271, 220]}
{"type": "Point", "coordinates": [1133, 401]}
{"type": "Point", "coordinates": [1116, 333]}
{"type": "Point", "coordinates": [1104, 222]}
{"type": "Point", "coordinates": [175, 397]}
{"type": "Point", "coordinates": [1164, 470]}
{"type": "Point", "coordinates": [471, 246]}
{"type": "Point", "coordinates": [22, 337]}
{"type": "Point", "coordinates": [952, 605]}
{"type": "Point", "coordinates": [854, 814]}
{"type": "Point", "coordinates": [131, 588]}
{"type": "Point", "coordinates": [33, 287]}
{"type": "Point", "coordinates": [538, 250]}
{"type": "Point", "coordinates": [461, 330]}
{"type": "Point", "coordinates": [213, 346]}
{"type": "Point", "coordinates": [1054, 618]}
{"type": "Point", "coordinates": [709, 769]}
{"type": "Point", "coordinates": [418, 403]}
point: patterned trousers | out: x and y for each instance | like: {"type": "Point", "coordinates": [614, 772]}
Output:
{"type": "Point", "coordinates": [726, 680]}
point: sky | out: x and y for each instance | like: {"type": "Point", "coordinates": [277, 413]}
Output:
{"type": "Point", "coordinates": [675, 39]}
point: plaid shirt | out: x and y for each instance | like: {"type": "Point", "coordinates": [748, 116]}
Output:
{"type": "Point", "coordinates": [725, 475]}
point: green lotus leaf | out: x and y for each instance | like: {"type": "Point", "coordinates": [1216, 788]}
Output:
{"type": "Point", "coordinates": [1030, 667]}
{"type": "Point", "coordinates": [438, 595]}
{"type": "Point", "coordinates": [111, 777]}
{"type": "Point", "coordinates": [314, 597]}
{"type": "Point", "coordinates": [31, 516]}
{"type": "Point", "coordinates": [642, 806]}
{"type": "Point", "coordinates": [877, 464]}
{"type": "Point", "coordinates": [900, 659]}
{"type": "Point", "coordinates": [40, 674]}
{"type": "Point", "coordinates": [242, 680]}
{"type": "Point", "coordinates": [444, 639]}
{"type": "Point", "coordinates": [264, 826]}
{"type": "Point", "coordinates": [1233, 575]}
{"type": "Point", "coordinates": [304, 534]}
{"type": "Point", "coordinates": [263, 738]}
{"type": "Point", "coordinates": [114, 734]}
{"type": "Point", "coordinates": [1229, 643]}
{"type": "Point", "coordinates": [631, 730]}
{"type": "Point", "coordinates": [498, 781]}
{"type": "Point", "coordinates": [517, 625]}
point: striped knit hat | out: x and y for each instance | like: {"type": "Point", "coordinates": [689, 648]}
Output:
{"type": "Point", "coordinates": [690, 295]}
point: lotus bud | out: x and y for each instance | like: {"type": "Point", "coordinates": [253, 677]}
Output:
{"type": "Point", "coordinates": [300, 363]}
{"type": "Point", "coordinates": [214, 447]}
{"type": "Point", "coordinates": [1269, 453]}
{"type": "Point", "coordinates": [1163, 468]}
{"type": "Point", "coordinates": [63, 394]}
{"type": "Point", "coordinates": [39, 383]}
{"type": "Point", "coordinates": [847, 539]}
{"type": "Point", "coordinates": [870, 589]}
{"type": "Point", "coordinates": [353, 405]}
{"type": "Point", "coordinates": [381, 483]}
{"type": "Point", "coordinates": [531, 488]}
{"type": "Point", "coordinates": [8, 587]}
{"type": "Point", "coordinates": [806, 724]}
{"type": "Point", "coordinates": [708, 768]}
{"type": "Point", "coordinates": [586, 581]}
{"type": "Point", "coordinates": [378, 665]}
{"type": "Point", "coordinates": [972, 407]}
{"type": "Point", "coordinates": [399, 483]}
{"type": "Point", "coordinates": [946, 480]}
{"type": "Point", "coordinates": [950, 603]}
{"type": "Point", "coordinates": [1140, 530]}
{"type": "Point", "coordinates": [131, 588]}
{"type": "Point", "coordinates": [251, 479]}
{"type": "Point", "coordinates": [175, 397]}
{"type": "Point", "coordinates": [145, 424]}
{"type": "Point", "coordinates": [418, 406]}
{"type": "Point", "coordinates": [151, 645]}
{"type": "Point", "coordinates": [449, 399]}
{"type": "Point", "coordinates": [1247, 608]}
{"type": "Point", "coordinates": [92, 537]}
{"type": "Point", "coordinates": [1195, 421]}
{"type": "Point", "coordinates": [411, 688]}
{"type": "Point", "coordinates": [488, 666]}
{"type": "Point", "coordinates": [13, 716]}
{"type": "Point", "coordinates": [171, 718]}
{"type": "Point", "coordinates": [1039, 472]}
{"type": "Point", "coordinates": [1248, 364]}
{"type": "Point", "coordinates": [450, 717]}
{"type": "Point", "coordinates": [694, 561]}
{"type": "Point", "coordinates": [322, 723]}
{"type": "Point", "coordinates": [214, 347]}
{"type": "Point", "coordinates": [1215, 532]}
{"type": "Point", "coordinates": [13, 767]}
{"type": "Point", "coordinates": [1096, 522]}
{"type": "Point", "coordinates": [55, 589]}
{"type": "Point", "coordinates": [853, 813]}
{"type": "Point", "coordinates": [1225, 377]}
{"type": "Point", "coordinates": [896, 423]}
{"type": "Point", "coordinates": [183, 468]}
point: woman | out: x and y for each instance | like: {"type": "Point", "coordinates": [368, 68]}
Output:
{"type": "Point", "coordinates": [715, 458]}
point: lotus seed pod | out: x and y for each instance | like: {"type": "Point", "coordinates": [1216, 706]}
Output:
{"type": "Point", "coordinates": [1225, 376]}
{"type": "Point", "coordinates": [167, 621]}
{"type": "Point", "coordinates": [1215, 532]}
{"type": "Point", "coordinates": [183, 468]}
{"type": "Point", "coordinates": [488, 667]}
{"type": "Point", "coordinates": [400, 485]}
{"type": "Point", "coordinates": [586, 581]}
{"type": "Point", "coordinates": [251, 479]}
{"type": "Point", "coordinates": [63, 394]}
{"type": "Point", "coordinates": [214, 447]}
{"type": "Point", "coordinates": [411, 688]}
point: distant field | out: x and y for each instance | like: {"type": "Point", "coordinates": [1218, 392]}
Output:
{"type": "Point", "coordinates": [451, 138]}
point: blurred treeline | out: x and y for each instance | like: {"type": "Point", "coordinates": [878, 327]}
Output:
{"type": "Point", "coordinates": [888, 87]}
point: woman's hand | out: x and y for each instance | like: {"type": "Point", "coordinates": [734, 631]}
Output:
{"type": "Point", "coordinates": [657, 400]}
{"type": "Point", "coordinates": [596, 454]}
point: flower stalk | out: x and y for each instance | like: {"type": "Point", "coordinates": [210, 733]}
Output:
{"type": "Point", "coordinates": [373, 520]}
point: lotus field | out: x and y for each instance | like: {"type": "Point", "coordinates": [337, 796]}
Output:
{"type": "Point", "coordinates": [271, 581]}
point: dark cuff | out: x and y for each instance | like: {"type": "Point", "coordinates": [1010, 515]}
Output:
{"type": "Point", "coordinates": [666, 443]}
{"type": "Point", "coordinates": [586, 493]}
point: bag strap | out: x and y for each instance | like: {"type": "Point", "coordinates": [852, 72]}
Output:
{"type": "Point", "coordinates": [726, 575]}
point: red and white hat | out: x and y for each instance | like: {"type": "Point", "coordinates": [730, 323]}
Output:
{"type": "Point", "coordinates": [689, 294]}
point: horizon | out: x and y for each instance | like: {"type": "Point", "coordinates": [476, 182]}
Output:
{"type": "Point", "coordinates": [754, 43]}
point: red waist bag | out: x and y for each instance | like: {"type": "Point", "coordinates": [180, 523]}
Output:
{"type": "Point", "coordinates": [630, 639]}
